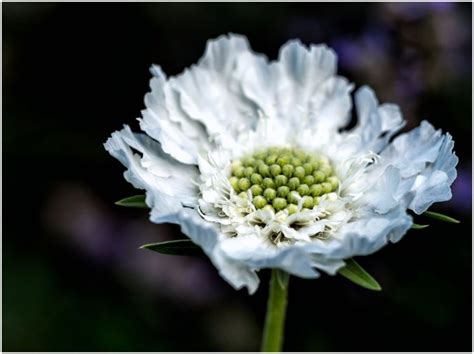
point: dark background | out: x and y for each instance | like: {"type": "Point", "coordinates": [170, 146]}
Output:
{"type": "Point", "coordinates": [73, 278]}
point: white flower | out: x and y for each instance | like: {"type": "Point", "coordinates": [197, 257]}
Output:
{"type": "Point", "coordinates": [223, 125]}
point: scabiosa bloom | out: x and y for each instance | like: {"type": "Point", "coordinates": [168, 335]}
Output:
{"type": "Point", "coordinates": [251, 158]}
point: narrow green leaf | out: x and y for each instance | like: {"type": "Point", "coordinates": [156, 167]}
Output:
{"type": "Point", "coordinates": [282, 278]}
{"type": "Point", "coordinates": [355, 273]}
{"type": "Point", "coordinates": [419, 227]}
{"type": "Point", "coordinates": [175, 247]}
{"type": "Point", "coordinates": [137, 201]}
{"type": "Point", "coordinates": [442, 217]}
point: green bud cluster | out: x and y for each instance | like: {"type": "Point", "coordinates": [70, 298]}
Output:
{"type": "Point", "coordinates": [279, 177]}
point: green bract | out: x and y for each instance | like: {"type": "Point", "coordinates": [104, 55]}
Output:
{"type": "Point", "coordinates": [280, 177]}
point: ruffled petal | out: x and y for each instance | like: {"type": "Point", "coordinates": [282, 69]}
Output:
{"type": "Point", "coordinates": [376, 125]}
{"type": "Point", "coordinates": [258, 254]}
{"type": "Point", "coordinates": [165, 121]}
{"type": "Point", "coordinates": [383, 195]}
{"type": "Point", "coordinates": [434, 184]}
{"type": "Point", "coordinates": [167, 182]}
{"type": "Point", "coordinates": [300, 87]}
{"type": "Point", "coordinates": [427, 162]}
{"type": "Point", "coordinates": [301, 71]}
{"type": "Point", "coordinates": [326, 264]}
{"type": "Point", "coordinates": [370, 233]}
{"type": "Point", "coordinates": [210, 92]}
{"type": "Point", "coordinates": [208, 237]}
{"type": "Point", "coordinates": [237, 274]}
{"type": "Point", "coordinates": [330, 105]}
{"type": "Point", "coordinates": [423, 157]}
{"type": "Point", "coordinates": [364, 235]}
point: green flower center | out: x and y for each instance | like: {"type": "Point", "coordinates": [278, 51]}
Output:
{"type": "Point", "coordinates": [279, 177]}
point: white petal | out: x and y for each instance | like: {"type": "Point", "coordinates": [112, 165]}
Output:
{"type": "Point", "coordinates": [300, 86]}
{"type": "Point", "coordinates": [164, 120]}
{"type": "Point", "coordinates": [302, 70]}
{"type": "Point", "coordinates": [428, 190]}
{"type": "Point", "coordinates": [427, 163]}
{"type": "Point", "coordinates": [207, 236]}
{"type": "Point", "coordinates": [434, 184]}
{"type": "Point", "coordinates": [330, 105]}
{"type": "Point", "coordinates": [383, 195]}
{"type": "Point", "coordinates": [329, 266]}
{"type": "Point", "coordinates": [363, 236]}
{"type": "Point", "coordinates": [237, 274]}
{"type": "Point", "coordinates": [308, 90]}
{"type": "Point", "coordinates": [376, 124]}
{"type": "Point", "coordinates": [201, 232]}
{"type": "Point", "coordinates": [210, 92]}
{"type": "Point", "coordinates": [412, 151]}
{"type": "Point", "coordinates": [168, 183]}
{"type": "Point", "coordinates": [369, 234]}
{"type": "Point", "coordinates": [258, 253]}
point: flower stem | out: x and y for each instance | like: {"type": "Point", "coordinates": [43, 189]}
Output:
{"type": "Point", "coordinates": [276, 309]}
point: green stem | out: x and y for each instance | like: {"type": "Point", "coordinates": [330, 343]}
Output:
{"type": "Point", "coordinates": [276, 309]}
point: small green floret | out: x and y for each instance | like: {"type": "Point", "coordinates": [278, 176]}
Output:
{"type": "Point", "coordinates": [309, 180]}
{"type": "Point", "coordinates": [281, 180]}
{"type": "Point", "coordinates": [292, 209]}
{"type": "Point", "coordinates": [275, 170]}
{"type": "Point", "coordinates": [283, 191]}
{"type": "Point", "coordinates": [293, 197]}
{"type": "Point", "coordinates": [256, 178]}
{"type": "Point", "coordinates": [287, 170]}
{"type": "Point", "coordinates": [293, 183]}
{"type": "Point", "coordinates": [270, 194]}
{"type": "Point", "coordinates": [299, 172]}
{"type": "Point", "coordinates": [303, 189]}
{"type": "Point", "coordinates": [308, 202]}
{"type": "Point", "coordinates": [256, 190]}
{"type": "Point", "coordinates": [259, 202]}
{"type": "Point", "coordinates": [244, 184]}
{"type": "Point", "coordinates": [279, 203]}
{"type": "Point", "coordinates": [316, 190]}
